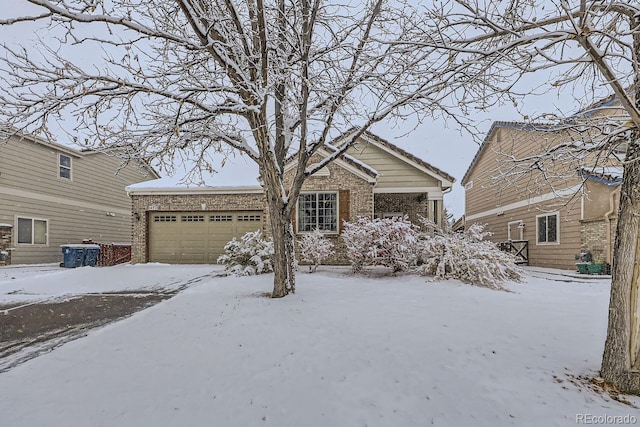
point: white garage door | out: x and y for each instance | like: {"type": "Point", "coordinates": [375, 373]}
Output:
{"type": "Point", "coordinates": [196, 237]}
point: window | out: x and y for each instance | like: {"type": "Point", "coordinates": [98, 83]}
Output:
{"type": "Point", "coordinates": [192, 218]}
{"type": "Point", "coordinates": [318, 211]}
{"type": "Point", "coordinates": [164, 218]}
{"type": "Point", "coordinates": [220, 218]}
{"type": "Point", "coordinates": [547, 228]}
{"type": "Point", "coordinates": [249, 217]}
{"type": "Point", "coordinates": [64, 163]}
{"type": "Point", "coordinates": [32, 231]}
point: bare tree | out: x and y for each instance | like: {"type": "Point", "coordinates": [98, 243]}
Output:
{"type": "Point", "coordinates": [269, 79]}
{"type": "Point", "coordinates": [590, 47]}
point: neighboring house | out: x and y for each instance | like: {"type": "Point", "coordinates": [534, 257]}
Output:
{"type": "Point", "coordinates": [191, 224]}
{"type": "Point", "coordinates": [52, 195]}
{"type": "Point", "coordinates": [555, 215]}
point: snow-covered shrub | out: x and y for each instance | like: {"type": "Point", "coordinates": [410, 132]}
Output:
{"type": "Point", "coordinates": [467, 257]}
{"type": "Point", "coordinates": [390, 242]}
{"type": "Point", "coordinates": [249, 255]}
{"type": "Point", "coordinates": [315, 248]}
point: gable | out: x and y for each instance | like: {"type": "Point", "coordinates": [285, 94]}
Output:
{"type": "Point", "coordinates": [397, 168]}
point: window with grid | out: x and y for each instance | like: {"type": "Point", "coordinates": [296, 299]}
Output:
{"type": "Point", "coordinates": [64, 165]}
{"type": "Point", "coordinates": [318, 211]}
{"type": "Point", "coordinates": [547, 228]}
{"type": "Point", "coordinates": [249, 217]}
{"type": "Point", "coordinates": [220, 218]}
{"type": "Point", "coordinates": [164, 218]}
{"type": "Point", "coordinates": [192, 218]}
{"type": "Point", "coordinates": [32, 231]}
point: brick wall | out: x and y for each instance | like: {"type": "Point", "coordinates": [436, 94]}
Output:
{"type": "Point", "coordinates": [5, 243]}
{"type": "Point", "coordinates": [594, 238]}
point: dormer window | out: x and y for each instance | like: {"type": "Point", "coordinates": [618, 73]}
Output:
{"type": "Point", "coordinates": [64, 163]}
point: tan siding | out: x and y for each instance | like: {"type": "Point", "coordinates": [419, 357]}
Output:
{"type": "Point", "coordinates": [76, 209]}
{"type": "Point", "coordinates": [393, 172]}
{"type": "Point", "coordinates": [66, 225]}
{"type": "Point", "coordinates": [560, 255]}
{"type": "Point", "coordinates": [598, 200]}
{"type": "Point", "coordinates": [33, 167]}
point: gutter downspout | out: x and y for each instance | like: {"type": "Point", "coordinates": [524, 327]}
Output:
{"type": "Point", "coordinates": [607, 222]}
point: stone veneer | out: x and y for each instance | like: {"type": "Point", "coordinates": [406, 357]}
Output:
{"type": "Point", "coordinates": [360, 200]}
{"type": "Point", "coordinates": [412, 204]}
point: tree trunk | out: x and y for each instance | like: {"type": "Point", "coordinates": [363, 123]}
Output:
{"type": "Point", "coordinates": [620, 361]}
{"type": "Point", "coordinates": [284, 258]}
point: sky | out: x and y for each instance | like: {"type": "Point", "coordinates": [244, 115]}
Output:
{"type": "Point", "coordinates": [443, 145]}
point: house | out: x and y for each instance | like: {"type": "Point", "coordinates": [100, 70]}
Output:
{"type": "Point", "coordinates": [191, 224]}
{"type": "Point", "coordinates": [53, 195]}
{"type": "Point", "coordinates": [547, 215]}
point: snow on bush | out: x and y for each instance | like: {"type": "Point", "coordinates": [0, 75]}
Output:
{"type": "Point", "coordinates": [248, 256]}
{"type": "Point", "coordinates": [467, 257]}
{"type": "Point", "coordinates": [390, 242]}
{"type": "Point", "coordinates": [315, 248]}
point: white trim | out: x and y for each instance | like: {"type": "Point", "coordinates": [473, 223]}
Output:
{"type": "Point", "coordinates": [524, 203]}
{"type": "Point", "coordinates": [70, 167]}
{"type": "Point", "coordinates": [433, 191]}
{"type": "Point", "coordinates": [327, 232]}
{"type": "Point", "coordinates": [557, 241]}
{"type": "Point", "coordinates": [445, 181]}
{"type": "Point", "coordinates": [171, 191]}
{"type": "Point", "coordinates": [520, 226]}
{"type": "Point", "coordinates": [338, 162]}
{"type": "Point", "coordinates": [62, 201]}
{"type": "Point", "coordinates": [33, 230]}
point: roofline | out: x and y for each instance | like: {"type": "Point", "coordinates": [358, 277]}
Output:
{"type": "Point", "coordinates": [403, 155]}
{"type": "Point", "coordinates": [169, 191]}
{"type": "Point", "coordinates": [38, 140]}
{"type": "Point", "coordinates": [502, 125]}
{"type": "Point", "coordinates": [343, 163]}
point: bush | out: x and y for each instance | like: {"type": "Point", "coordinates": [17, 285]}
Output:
{"type": "Point", "coordinates": [390, 242]}
{"type": "Point", "coordinates": [467, 257]}
{"type": "Point", "coordinates": [315, 248]}
{"type": "Point", "coordinates": [248, 256]}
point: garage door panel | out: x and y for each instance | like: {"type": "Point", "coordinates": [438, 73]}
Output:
{"type": "Point", "coordinates": [197, 237]}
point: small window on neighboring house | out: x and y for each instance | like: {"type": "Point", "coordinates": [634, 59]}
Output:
{"type": "Point", "coordinates": [32, 231]}
{"type": "Point", "coordinates": [547, 228]}
{"type": "Point", "coordinates": [468, 185]}
{"type": "Point", "coordinates": [318, 211]}
{"type": "Point", "coordinates": [64, 163]}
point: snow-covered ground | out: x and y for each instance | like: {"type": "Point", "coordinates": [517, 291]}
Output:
{"type": "Point", "coordinates": [343, 351]}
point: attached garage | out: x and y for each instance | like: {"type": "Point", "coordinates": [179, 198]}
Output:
{"type": "Point", "coordinates": [196, 237]}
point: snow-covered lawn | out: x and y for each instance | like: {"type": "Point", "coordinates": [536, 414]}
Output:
{"type": "Point", "coordinates": [344, 351]}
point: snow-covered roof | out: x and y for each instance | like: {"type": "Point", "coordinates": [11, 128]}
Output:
{"type": "Point", "coordinates": [233, 178]}
{"type": "Point", "coordinates": [604, 175]}
{"type": "Point", "coordinates": [6, 225]}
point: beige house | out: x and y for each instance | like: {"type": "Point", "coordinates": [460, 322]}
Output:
{"type": "Point", "coordinates": [52, 195]}
{"type": "Point", "coordinates": [550, 214]}
{"type": "Point", "coordinates": [187, 224]}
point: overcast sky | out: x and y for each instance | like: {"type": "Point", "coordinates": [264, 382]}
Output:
{"type": "Point", "coordinates": [444, 147]}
